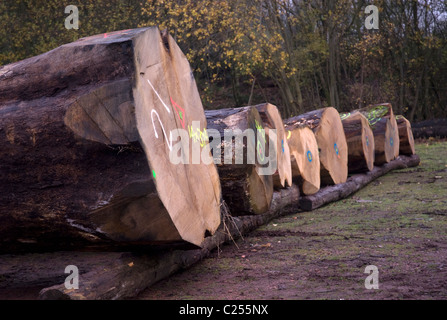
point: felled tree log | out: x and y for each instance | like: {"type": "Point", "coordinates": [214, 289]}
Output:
{"type": "Point", "coordinates": [406, 140]}
{"type": "Point", "coordinates": [355, 183]}
{"type": "Point", "coordinates": [86, 136]}
{"type": "Point", "coordinates": [241, 159]}
{"type": "Point", "coordinates": [272, 120]}
{"type": "Point", "coordinates": [328, 129]}
{"type": "Point", "coordinates": [305, 158]}
{"type": "Point", "coordinates": [386, 135]}
{"type": "Point", "coordinates": [360, 139]}
{"type": "Point", "coordinates": [430, 128]}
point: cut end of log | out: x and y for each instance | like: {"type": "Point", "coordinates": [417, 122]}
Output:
{"type": "Point", "coordinates": [305, 158]}
{"type": "Point", "coordinates": [272, 120]}
{"type": "Point", "coordinates": [383, 123]}
{"type": "Point", "coordinates": [406, 139]}
{"type": "Point", "coordinates": [166, 98]}
{"type": "Point", "coordinates": [328, 129]}
{"type": "Point", "coordinates": [387, 110]}
{"type": "Point", "coordinates": [360, 140]}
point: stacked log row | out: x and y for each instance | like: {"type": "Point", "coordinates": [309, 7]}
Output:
{"type": "Point", "coordinates": [386, 135]}
{"type": "Point", "coordinates": [406, 140]}
{"type": "Point", "coordinates": [305, 158]}
{"type": "Point", "coordinates": [272, 120]}
{"type": "Point", "coordinates": [85, 157]}
{"type": "Point", "coordinates": [245, 188]}
{"type": "Point", "coordinates": [328, 129]}
{"type": "Point", "coordinates": [360, 140]}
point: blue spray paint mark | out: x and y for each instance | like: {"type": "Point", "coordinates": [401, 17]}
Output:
{"type": "Point", "coordinates": [367, 142]}
{"type": "Point", "coordinates": [309, 156]}
{"type": "Point", "coordinates": [282, 145]}
{"type": "Point", "coordinates": [336, 148]}
{"type": "Point", "coordinates": [391, 141]}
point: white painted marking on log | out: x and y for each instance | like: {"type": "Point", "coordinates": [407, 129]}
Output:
{"type": "Point", "coordinates": [164, 104]}
{"type": "Point", "coordinates": [169, 141]}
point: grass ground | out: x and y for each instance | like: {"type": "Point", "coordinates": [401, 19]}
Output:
{"type": "Point", "coordinates": [397, 223]}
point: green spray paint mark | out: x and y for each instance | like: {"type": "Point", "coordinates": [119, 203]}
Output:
{"type": "Point", "coordinates": [154, 174]}
{"type": "Point", "coordinates": [376, 114]}
{"type": "Point", "coordinates": [344, 116]}
{"type": "Point", "coordinates": [181, 115]}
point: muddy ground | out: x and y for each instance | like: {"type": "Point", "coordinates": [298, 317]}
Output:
{"type": "Point", "coordinates": [397, 223]}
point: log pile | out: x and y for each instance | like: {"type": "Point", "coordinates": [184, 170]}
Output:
{"type": "Point", "coordinates": [112, 150]}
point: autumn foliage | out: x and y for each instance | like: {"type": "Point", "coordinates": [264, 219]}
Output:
{"type": "Point", "coordinates": [300, 55]}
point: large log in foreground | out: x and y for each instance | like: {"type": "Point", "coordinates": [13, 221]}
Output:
{"type": "Point", "coordinates": [331, 139]}
{"type": "Point", "coordinates": [127, 274]}
{"type": "Point", "coordinates": [305, 158]}
{"type": "Point", "coordinates": [386, 135]}
{"type": "Point", "coordinates": [272, 120]}
{"type": "Point", "coordinates": [360, 139]}
{"type": "Point", "coordinates": [406, 140]}
{"type": "Point", "coordinates": [243, 145]}
{"type": "Point", "coordinates": [85, 157]}
{"type": "Point", "coordinates": [354, 183]}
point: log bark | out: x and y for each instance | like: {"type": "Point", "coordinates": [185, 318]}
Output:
{"type": "Point", "coordinates": [305, 158]}
{"type": "Point", "coordinates": [331, 139]}
{"type": "Point", "coordinates": [430, 128]}
{"type": "Point", "coordinates": [272, 120]}
{"type": "Point", "coordinates": [386, 135]}
{"type": "Point", "coordinates": [360, 140]}
{"type": "Point", "coordinates": [85, 130]}
{"type": "Point", "coordinates": [240, 156]}
{"type": "Point", "coordinates": [406, 140]}
{"type": "Point", "coordinates": [355, 183]}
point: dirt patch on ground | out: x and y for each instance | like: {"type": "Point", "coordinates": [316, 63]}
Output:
{"type": "Point", "coordinates": [397, 223]}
